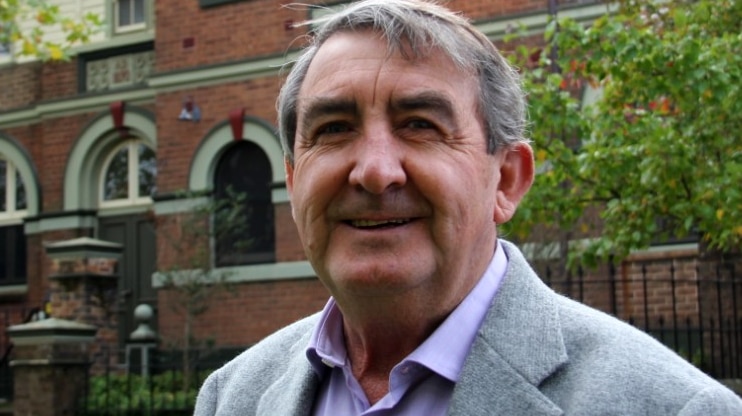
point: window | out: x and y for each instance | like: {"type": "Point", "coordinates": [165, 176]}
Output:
{"type": "Point", "coordinates": [244, 168]}
{"type": "Point", "coordinates": [4, 42]}
{"type": "Point", "coordinates": [12, 191]}
{"type": "Point", "coordinates": [12, 255]}
{"type": "Point", "coordinates": [128, 175]}
{"type": "Point", "coordinates": [4, 50]}
{"type": "Point", "coordinates": [129, 15]}
{"type": "Point", "coordinates": [12, 237]}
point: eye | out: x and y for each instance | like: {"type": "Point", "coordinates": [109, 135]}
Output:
{"type": "Point", "coordinates": [332, 128]}
{"type": "Point", "coordinates": [420, 124]}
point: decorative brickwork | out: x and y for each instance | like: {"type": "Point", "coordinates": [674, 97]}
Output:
{"type": "Point", "coordinates": [83, 288]}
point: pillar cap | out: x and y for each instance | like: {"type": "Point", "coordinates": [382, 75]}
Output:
{"type": "Point", "coordinates": [83, 247]}
{"type": "Point", "coordinates": [51, 331]}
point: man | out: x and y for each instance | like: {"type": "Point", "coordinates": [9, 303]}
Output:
{"type": "Point", "coordinates": [403, 132]}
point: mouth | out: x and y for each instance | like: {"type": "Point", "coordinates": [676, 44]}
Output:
{"type": "Point", "coordinates": [373, 224]}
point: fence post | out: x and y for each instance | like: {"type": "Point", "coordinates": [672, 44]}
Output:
{"type": "Point", "coordinates": [50, 366]}
{"type": "Point", "coordinates": [143, 341]}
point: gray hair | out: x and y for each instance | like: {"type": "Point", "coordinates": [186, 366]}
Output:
{"type": "Point", "coordinates": [413, 28]}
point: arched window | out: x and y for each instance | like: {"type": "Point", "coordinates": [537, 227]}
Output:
{"type": "Point", "coordinates": [12, 191]}
{"type": "Point", "coordinates": [245, 169]}
{"type": "Point", "coordinates": [128, 175]}
{"type": "Point", "coordinates": [13, 206]}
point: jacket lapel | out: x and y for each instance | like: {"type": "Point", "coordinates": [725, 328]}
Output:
{"type": "Point", "coordinates": [519, 345]}
{"type": "Point", "coordinates": [293, 393]}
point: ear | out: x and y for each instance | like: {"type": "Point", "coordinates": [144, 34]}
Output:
{"type": "Point", "coordinates": [289, 167]}
{"type": "Point", "coordinates": [516, 177]}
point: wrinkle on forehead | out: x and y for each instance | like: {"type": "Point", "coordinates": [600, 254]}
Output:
{"type": "Point", "coordinates": [340, 78]}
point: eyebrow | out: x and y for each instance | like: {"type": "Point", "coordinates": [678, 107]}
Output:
{"type": "Point", "coordinates": [432, 101]}
{"type": "Point", "coordinates": [317, 107]}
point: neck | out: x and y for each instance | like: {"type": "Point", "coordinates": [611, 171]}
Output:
{"type": "Point", "coordinates": [380, 334]}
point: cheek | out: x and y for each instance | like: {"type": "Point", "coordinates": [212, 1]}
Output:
{"type": "Point", "coordinates": [464, 196]}
{"type": "Point", "coordinates": [310, 200]}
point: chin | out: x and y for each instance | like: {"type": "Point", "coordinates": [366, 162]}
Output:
{"type": "Point", "coordinates": [375, 281]}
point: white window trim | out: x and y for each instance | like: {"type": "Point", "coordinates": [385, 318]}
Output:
{"type": "Point", "coordinates": [133, 198]}
{"type": "Point", "coordinates": [134, 27]}
{"type": "Point", "coordinates": [10, 215]}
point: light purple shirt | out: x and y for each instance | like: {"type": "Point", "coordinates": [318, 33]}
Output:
{"type": "Point", "coordinates": [422, 384]}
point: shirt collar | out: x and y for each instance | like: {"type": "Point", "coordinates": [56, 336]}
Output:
{"type": "Point", "coordinates": [327, 344]}
{"type": "Point", "coordinates": [443, 352]}
{"type": "Point", "coordinates": [447, 348]}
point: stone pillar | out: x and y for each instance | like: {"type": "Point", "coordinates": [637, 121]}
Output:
{"type": "Point", "coordinates": [50, 366]}
{"type": "Point", "coordinates": [84, 288]}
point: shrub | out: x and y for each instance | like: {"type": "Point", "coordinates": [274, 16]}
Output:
{"type": "Point", "coordinates": [159, 394]}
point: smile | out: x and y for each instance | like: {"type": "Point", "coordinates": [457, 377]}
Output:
{"type": "Point", "coordinates": [378, 224]}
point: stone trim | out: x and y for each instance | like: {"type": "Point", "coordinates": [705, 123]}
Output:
{"type": "Point", "coordinates": [257, 273]}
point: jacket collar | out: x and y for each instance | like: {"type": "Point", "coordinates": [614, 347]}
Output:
{"type": "Point", "coordinates": [293, 393]}
{"type": "Point", "coordinates": [519, 345]}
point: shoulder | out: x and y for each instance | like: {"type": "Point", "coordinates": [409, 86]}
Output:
{"type": "Point", "coordinates": [623, 368]}
{"type": "Point", "coordinates": [609, 366]}
{"type": "Point", "coordinates": [240, 383]}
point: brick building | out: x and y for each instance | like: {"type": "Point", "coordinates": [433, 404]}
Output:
{"type": "Point", "coordinates": [170, 103]}
{"type": "Point", "coordinates": [104, 145]}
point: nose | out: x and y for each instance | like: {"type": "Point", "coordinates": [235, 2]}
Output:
{"type": "Point", "coordinates": [378, 162]}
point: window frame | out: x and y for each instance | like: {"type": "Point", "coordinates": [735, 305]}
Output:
{"type": "Point", "coordinates": [11, 217]}
{"type": "Point", "coordinates": [14, 255]}
{"type": "Point", "coordinates": [252, 254]}
{"type": "Point", "coordinates": [134, 27]}
{"type": "Point", "coordinates": [133, 199]}
{"type": "Point", "coordinates": [11, 212]}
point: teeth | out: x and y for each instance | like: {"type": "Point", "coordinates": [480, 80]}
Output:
{"type": "Point", "coordinates": [370, 223]}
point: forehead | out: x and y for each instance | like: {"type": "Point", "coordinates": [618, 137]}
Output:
{"type": "Point", "coordinates": [363, 60]}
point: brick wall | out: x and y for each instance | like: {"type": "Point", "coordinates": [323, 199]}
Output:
{"type": "Point", "coordinates": [667, 283]}
{"type": "Point", "coordinates": [288, 245]}
{"type": "Point", "coordinates": [229, 33]}
{"type": "Point", "coordinates": [245, 313]}
{"type": "Point", "coordinates": [649, 289]}
{"type": "Point", "coordinates": [20, 85]}
{"type": "Point", "coordinates": [59, 80]}
{"type": "Point", "coordinates": [481, 9]}
{"type": "Point", "coordinates": [258, 28]}
{"type": "Point", "coordinates": [178, 140]}
{"type": "Point", "coordinates": [57, 136]}
{"type": "Point", "coordinates": [221, 34]}
{"type": "Point", "coordinates": [182, 241]}
{"type": "Point", "coordinates": [40, 266]}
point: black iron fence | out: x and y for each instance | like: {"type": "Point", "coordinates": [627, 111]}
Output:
{"type": "Point", "coordinates": [9, 316]}
{"type": "Point", "coordinates": [694, 309]}
{"type": "Point", "coordinates": [691, 308]}
{"type": "Point", "coordinates": [162, 385]}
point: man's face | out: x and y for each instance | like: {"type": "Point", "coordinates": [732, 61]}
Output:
{"type": "Point", "coordinates": [391, 188]}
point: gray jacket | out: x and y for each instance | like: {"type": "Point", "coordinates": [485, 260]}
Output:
{"type": "Point", "coordinates": [537, 353]}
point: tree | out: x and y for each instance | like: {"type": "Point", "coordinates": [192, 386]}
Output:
{"type": "Point", "coordinates": [32, 40]}
{"type": "Point", "coordinates": [659, 153]}
{"type": "Point", "coordinates": [192, 279]}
